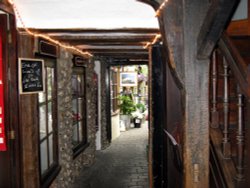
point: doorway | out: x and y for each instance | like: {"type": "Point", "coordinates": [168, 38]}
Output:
{"type": "Point", "coordinates": [128, 98]}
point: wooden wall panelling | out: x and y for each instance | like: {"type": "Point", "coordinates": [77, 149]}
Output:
{"type": "Point", "coordinates": [13, 103]}
{"type": "Point", "coordinates": [29, 124]}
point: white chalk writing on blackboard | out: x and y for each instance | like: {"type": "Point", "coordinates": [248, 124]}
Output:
{"type": "Point", "coordinates": [31, 75]}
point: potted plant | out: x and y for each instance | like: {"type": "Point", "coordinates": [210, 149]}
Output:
{"type": "Point", "coordinates": [126, 106]}
{"type": "Point", "coordinates": [138, 114]}
{"type": "Point", "coordinates": [137, 117]}
{"type": "Point", "coordinates": [141, 107]}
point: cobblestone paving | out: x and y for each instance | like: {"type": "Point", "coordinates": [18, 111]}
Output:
{"type": "Point", "coordinates": [122, 165]}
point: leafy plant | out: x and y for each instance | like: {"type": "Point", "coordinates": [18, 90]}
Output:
{"type": "Point", "coordinates": [126, 105]}
{"type": "Point", "coordinates": [141, 107]}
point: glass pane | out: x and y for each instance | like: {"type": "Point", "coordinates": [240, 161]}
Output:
{"type": "Point", "coordinates": [80, 85]}
{"type": "Point", "coordinates": [80, 108]}
{"type": "Point", "coordinates": [74, 110]}
{"type": "Point", "coordinates": [50, 119]}
{"type": "Point", "coordinates": [43, 156]}
{"type": "Point", "coordinates": [75, 134]}
{"type": "Point", "coordinates": [42, 121]}
{"type": "Point", "coordinates": [51, 154]}
{"type": "Point", "coordinates": [80, 131]}
{"type": "Point", "coordinates": [49, 82]}
{"type": "Point", "coordinates": [74, 84]}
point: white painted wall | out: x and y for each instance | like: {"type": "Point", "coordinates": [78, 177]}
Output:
{"type": "Point", "coordinates": [241, 11]}
{"type": "Point", "coordinates": [98, 133]}
{"type": "Point", "coordinates": [115, 121]}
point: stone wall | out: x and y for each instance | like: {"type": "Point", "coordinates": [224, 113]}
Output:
{"type": "Point", "coordinates": [104, 140]}
{"type": "Point", "coordinates": [70, 167]}
{"type": "Point", "coordinates": [87, 157]}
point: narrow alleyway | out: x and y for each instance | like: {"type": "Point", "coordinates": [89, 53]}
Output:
{"type": "Point", "coordinates": [122, 165]}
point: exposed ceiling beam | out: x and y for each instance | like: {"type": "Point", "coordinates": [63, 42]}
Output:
{"type": "Point", "coordinates": [109, 47]}
{"type": "Point", "coordinates": [123, 55]}
{"type": "Point", "coordinates": [76, 40]}
{"type": "Point", "coordinates": [121, 51]}
{"type": "Point", "coordinates": [117, 43]}
{"type": "Point", "coordinates": [124, 30]}
{"type": "Point", "coordinates": [114, 43]}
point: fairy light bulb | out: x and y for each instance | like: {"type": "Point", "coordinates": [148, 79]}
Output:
{"type": "Point", "coordinates": [158, 36]}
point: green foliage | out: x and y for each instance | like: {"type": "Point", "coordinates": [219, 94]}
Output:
{"type": "Point", "coordinates": [126, 105]}
{"type": "Point", "coordinates": [141, 107]}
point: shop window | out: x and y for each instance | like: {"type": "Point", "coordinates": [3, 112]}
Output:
{"type": "Point", "coordinates": [80, 141]}
{"type": "Point", "coordinates": [114, 89]}
{"type": "Point", "coordinates": [49, 166]}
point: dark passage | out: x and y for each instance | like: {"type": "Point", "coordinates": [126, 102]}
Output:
{"type": "Point", "coordinates": [123, 165]}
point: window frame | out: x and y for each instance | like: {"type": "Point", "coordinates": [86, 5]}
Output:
{"type": "Point", "coordinates": [83, 144]}
{"type": "Point", "coordinates": [47, 177]}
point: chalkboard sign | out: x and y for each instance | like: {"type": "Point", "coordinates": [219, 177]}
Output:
{"type": "Point", "coordinates": [31, 75]}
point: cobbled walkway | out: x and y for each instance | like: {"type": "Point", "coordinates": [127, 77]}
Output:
{"type": "Point", "coordinates": [123, 165]}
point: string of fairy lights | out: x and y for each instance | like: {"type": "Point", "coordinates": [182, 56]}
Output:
{"type": "Point", "coordinates": [73, 48]}
{"type": "Point", "coordinates": [158, 12]}
{"type": "Point", "coordinates": [158, 36]}
{"type": "Point", "coordinates": [47, 37]}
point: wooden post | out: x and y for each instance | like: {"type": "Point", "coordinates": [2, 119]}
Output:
{"type": "Point", "coordinates": [226, 146]}
{"type": "Point", "coordinates": [151, 125]}
{"type": "Point", "coordinates": [214, 112]}
{"type": "Point", "coordinates": [181, 23]}
{"type": "Point", "coordinates": [29, 125]}
{"type": "Point", "coordinates": [186, 31]}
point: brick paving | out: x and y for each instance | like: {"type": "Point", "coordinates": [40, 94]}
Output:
{"type": "Point", "coordinates": [123, 165]}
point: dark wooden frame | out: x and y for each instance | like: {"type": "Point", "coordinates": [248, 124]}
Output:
{"type": "Point", "coordinates": [82, 145]}
{"type": "Point", "coordinates": [109, 63]}
{"type": "Point", "coordinates": [21, 90]}
{"type": "Point", "coordinates": [47, 178]}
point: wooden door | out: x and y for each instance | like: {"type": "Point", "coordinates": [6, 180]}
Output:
{"type": "Point", "coordinates": [167, 121]}
{"type": "Point", "coordinates": [9, 159]}
{"type": "Point", "coordinates": [158, 113]}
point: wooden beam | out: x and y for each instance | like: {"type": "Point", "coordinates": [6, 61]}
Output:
{"type": "Point", "coordinates": [93, 39]}
{"type": "Point", "coordinates": [123, 55]}
{"type": "Point", "coordinates": [114, 43]}
{"type": "Point", "coordinates": [127, 36]}
{"type": "Point", "coordinates": [93, 31]}
{"type": "Point", "coordinates": [121, 51]}
{"type": "Point", "coordinates": [213, 25]}
{"type": "Point", "coordinates": [121, 43]}
{"type": "Point", "coordinates": [124, 62]}
{"type": "Point", "coordinates": [112, 47]}
{"type": "Point", "coordinates": [237, 64]}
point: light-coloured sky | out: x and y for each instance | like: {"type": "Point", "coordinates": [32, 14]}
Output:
{"type": "Point", "coordinates": [101, 14]}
